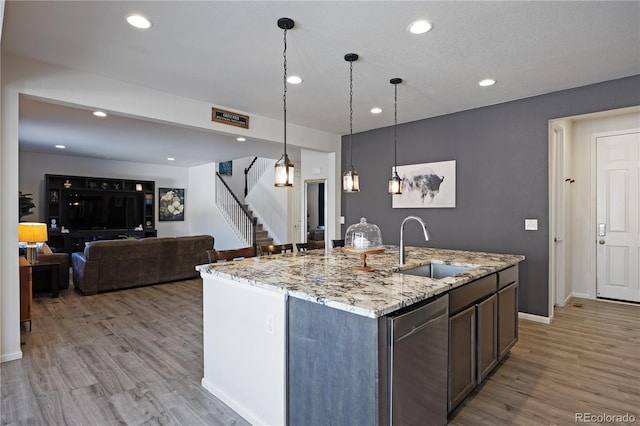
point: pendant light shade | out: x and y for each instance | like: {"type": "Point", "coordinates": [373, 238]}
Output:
{"type": "Point", "coordinates": [395, 183]}
{"type": "Point", "coordinates": [283, 175]}
{"type": "Point", "coordinates": [350, 178]}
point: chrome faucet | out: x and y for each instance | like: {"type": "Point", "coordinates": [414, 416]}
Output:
{"type": "Point", "coordinates": [424, 230]}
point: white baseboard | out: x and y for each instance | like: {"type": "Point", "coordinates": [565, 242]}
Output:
{"type": "Point", "coordinates": [10, 357]}
{"type": "Point", "coordinates": [581, 295]}
{"type": "Point", "coordinates": [534, 318]}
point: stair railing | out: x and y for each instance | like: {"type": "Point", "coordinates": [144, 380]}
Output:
{"type": "Point", "coordinates": [246, 172]}
{"type": "Point", "coordinates": [236, 213]}
{"type": "Point", "coordinates": [254, 172]}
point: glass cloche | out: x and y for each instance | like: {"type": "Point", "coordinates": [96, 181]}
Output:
{"type": "Point", "coordinates": [363, 236]}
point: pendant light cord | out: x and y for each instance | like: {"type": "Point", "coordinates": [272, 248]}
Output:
{"type": "Point", "coordinates": [350, 112]}
{"type": "Point", "coordinates": [395, 130]}
{"type": "Point", "coordinates": [284, 96]}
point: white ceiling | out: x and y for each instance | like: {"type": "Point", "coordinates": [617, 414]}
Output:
{"type": "Point", "coordinates": [230, 53]}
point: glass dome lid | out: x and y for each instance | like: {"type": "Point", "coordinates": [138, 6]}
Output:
{"type": "Point", "coordinates": [363, 236]}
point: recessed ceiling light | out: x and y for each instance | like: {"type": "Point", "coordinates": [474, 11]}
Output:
{"type": "Point", "coordinates": [420, 27]}
{"type": "Point", "coordinates": [99, 114]}
{"type": "Point", "coordinates": [487, 82]}
{"type": "Point", "coordinates": [170, 159]}
{"type": "Point", "coordinates": [60, 146]}
{"type": "Point", "coordinates": [294, 79]}
{"type": "Point", "coordinates": [375, 110]}
{"type": "Point", "coordinates": [241, 139]}
{"type": "Point", "coordinates": [139, 21]}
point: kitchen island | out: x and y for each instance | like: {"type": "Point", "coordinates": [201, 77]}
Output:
{"type": "Point", "coordinates": [304, 339]}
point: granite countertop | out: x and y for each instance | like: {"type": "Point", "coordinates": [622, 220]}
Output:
{"type": "Point", "coordinates": [328, 277]}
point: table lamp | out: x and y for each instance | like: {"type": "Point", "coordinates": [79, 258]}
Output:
{"type": "Point", "coordinates": [32, 233]}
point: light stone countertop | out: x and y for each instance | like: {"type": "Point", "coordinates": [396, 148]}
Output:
{"type": "Point", "coordinates": [328, 277]}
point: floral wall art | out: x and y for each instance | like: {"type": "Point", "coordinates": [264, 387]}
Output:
{"type": "Point", "coordinates": [171, 204]}
{"type": "Point", "coordinates": [427, 185]}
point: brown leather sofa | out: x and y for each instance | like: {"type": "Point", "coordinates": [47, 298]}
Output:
{"type": "Point", "coordinates": [119, 264]}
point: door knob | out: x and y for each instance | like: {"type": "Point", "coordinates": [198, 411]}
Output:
{"type": "Point", "coordinates": [601, 241]}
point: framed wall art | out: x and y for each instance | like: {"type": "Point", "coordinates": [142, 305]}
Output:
{"type": "Point", "coordinates": [427, 185]}
{"type": "Point", "coordinates": [225, 168]}
{"type": "Point", "coordinates": [170, 204]}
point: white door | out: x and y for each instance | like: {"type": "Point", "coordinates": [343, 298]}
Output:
{"type": "Point", "coordinates": [618, 228]}
{"type": "Point", "coordinates": [295, 207]}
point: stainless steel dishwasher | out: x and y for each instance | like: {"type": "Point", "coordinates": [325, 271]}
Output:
{"type": "Point", "coordinates": [418, 358]}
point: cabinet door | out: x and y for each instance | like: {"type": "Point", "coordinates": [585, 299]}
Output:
{"type": "Point", "coordinates": [487, 312]}
{"type": "Point", "coordinates": [507, 318]}
{"type": "Point", "coordinates": [462, 356]}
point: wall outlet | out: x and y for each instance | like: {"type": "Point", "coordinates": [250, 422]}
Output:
{"type": "Point", "coordinates": [270, 324]}
{"type": "Point", "coordinates": [531, 224]}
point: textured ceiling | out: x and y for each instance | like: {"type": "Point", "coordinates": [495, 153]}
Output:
{"type": "Point", "coordinates": [230, 53]}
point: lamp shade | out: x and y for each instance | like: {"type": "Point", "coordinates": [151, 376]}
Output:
{"type": "Point", "coordinates": [284, 172]}
{"type": "Point", "coordinates": [32, 232]}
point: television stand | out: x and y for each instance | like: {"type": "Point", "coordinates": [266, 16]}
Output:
{"type": "Point", "coordinates": [74, 241]}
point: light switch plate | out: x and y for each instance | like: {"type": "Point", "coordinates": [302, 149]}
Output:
{"type": "Point", "coordinates": [342, 220]}
{"type": "Point", "coordinates": [531, 224]}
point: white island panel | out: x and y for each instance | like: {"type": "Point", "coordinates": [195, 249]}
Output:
{"type": "Point", "coordinates": [245, 348]}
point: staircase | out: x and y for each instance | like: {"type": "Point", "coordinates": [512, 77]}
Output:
{"type": "Point", "coordinates": [262, 236]}
{"type": "Point", "coordinates": [238, 215]}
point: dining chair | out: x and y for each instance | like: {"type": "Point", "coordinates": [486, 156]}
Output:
{"type": "Point", "coordinates": [231, 254]}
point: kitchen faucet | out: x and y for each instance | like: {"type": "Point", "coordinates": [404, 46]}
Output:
{"type": "Point", "coordinates": [424, 229]}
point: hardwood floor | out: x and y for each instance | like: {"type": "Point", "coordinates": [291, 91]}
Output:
{"type": "Point", "coordinates": [127, 357]}
{"type": "Point", "coordinates": [586, 361]}
{"type": "Point", "coordinates": [135, 357]}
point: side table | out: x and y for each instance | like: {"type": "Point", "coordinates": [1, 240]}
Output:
{"type": "Point", "coordinates": [53, 268]}
{"type": "Point", "coordinates": [25, 291]}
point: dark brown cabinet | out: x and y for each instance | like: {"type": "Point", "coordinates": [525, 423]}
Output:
{"type": "Point", "coordinates": [483, 326]}
{"type": "Point", "coordinates": [507, 310]}
{"type": "Point", "coordinates": [462, 355]}
{"type": "Point", "coordinates": [487, 329]}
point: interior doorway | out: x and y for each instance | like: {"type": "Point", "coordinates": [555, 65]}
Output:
{"type": "Point", "coordinates": [572, 171]}
{"type": "Point", "coordinates": [316, 210]}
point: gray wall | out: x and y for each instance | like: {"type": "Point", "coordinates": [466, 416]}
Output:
{"type": "Point", "coordinates": [502, 176]}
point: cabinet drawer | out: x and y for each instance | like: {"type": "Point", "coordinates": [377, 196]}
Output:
{"type": "Point", "coordinates": [507, 276]}
{"type": "Point", "coordinates": [468, 294]}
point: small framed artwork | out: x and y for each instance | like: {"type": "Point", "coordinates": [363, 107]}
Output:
{"type": "Point", "coordinates": [171, 204]}
{"type": "Point", "coordinates": [427, 185]}
{"type": "Point", "coordinates": [225, 168]}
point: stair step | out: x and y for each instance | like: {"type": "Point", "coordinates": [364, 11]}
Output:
{"type": "Point", "coordinates": [261, 234]}
{"type": "Point", "coordinates": [264, 241]}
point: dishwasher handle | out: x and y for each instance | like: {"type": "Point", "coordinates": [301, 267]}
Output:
{"type": "Point", "coordinates": [421, 326]}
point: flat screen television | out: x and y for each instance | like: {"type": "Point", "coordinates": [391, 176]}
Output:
{"type": "Point", "coordinates": [103, 211]}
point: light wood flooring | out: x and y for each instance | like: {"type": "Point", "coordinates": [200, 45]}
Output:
{"type": "Point", "coordinates": [586, 361]}
{"type": "Point", "coordinates": [135, 357]}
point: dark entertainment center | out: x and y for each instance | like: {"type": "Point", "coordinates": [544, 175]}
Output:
{"type": "Point", "coordinates": [80, 209]}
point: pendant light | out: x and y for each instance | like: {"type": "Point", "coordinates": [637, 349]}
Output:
{"type": "Point", "coordinates": [284, 166]}
{"type": "Point", "coordinates": [395, 183]}
{"type": "Point", "coordinates": [350, 179]}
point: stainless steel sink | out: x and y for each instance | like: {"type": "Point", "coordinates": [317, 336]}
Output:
{"type": "Point", "coordinates": [436, 270]}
